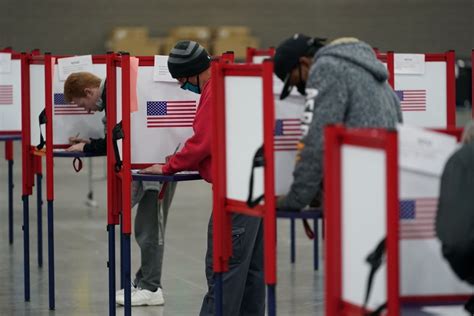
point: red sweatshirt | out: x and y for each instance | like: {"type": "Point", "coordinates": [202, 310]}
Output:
{"type": "Point", "coordinates": [196, 153]}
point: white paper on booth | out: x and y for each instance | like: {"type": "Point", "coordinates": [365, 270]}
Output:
{"type": "Point", "coordinates": [424, 151]}
{"type": "Point", "coordinates": [74, 64]}
{"type": "Point", "coordinates": [161, 71]}
{"type": "Point", "coordinates": [409, 64]}
{"type": "Point", "coordinates": [5, 62]}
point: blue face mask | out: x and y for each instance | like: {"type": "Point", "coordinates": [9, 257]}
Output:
{"type": "Point", "coordinates": [191, 87]}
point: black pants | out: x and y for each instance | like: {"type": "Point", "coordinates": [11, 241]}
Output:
{"type": "Point", "coordinates": [244, 285]}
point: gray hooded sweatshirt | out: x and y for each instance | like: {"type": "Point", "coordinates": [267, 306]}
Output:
{"type": "Point", "coordinates": [348, 85]}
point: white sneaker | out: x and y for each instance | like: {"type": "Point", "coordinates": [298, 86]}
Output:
{"type": "Point", "coordinates": [142, 297]}
{"type": "Point", "coordinates": [121, 292]}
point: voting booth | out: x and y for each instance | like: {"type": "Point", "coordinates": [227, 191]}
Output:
{"type": "Point", "coordinates": [150, 117]}
{"type": "Point", "coordinates": [48, 120]}
{"type": "Point", "coordinates": [243, 96]}
{"type": "Point", "coordinates": [10, 117]}
{"type": "Point", "coordinates": [397, 203]}
{"type": "Point", "coordinates": [426, 87]}
{"type": "Point", "coordinates": [287, 134]}
{"type": "Point", "coordinates": [10, 93]}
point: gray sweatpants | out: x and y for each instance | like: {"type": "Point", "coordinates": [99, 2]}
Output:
{"type": "Point", "coordinates": [244, 284]}
{"type": "Point", "coordinates": [150, 223]}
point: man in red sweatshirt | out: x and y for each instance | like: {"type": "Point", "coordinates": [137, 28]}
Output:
{"type": "Point", "coordinates": [244, 287]}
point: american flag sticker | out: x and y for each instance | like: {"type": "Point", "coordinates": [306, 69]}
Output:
{"type": "Point", "coordinates": [417, 218]}
{"type": "Point", "coordinates": [287, 134]}
{"type": "Point", "coordinates": [412, 100]}
{"type": "Point", "coordinates": [61, 107]}
{"type": "Point", "coordinates": [6, 94]}
{"type": "Point", "coordinates": [170, 114]}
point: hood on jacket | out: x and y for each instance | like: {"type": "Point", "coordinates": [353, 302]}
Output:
{"type": "Point", "coordinates": [356, 52]}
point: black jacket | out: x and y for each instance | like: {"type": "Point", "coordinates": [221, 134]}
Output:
{"type": "Point", "coordinates": [455, 218]}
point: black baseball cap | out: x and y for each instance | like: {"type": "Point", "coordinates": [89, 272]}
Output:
{"type": "Point", "coordinates": [287, 57]}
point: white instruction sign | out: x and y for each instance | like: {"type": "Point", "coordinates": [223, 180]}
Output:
{"type": "Point", "coordinates": [424, 151]}
{"type": "Point", "coordinates": [409, 64]}
{"type": "Point", "coordinates": [161, 72]}
{"type": "Point", "coordinates": [74, 64]}
{"type": "Point", "coordinates": [5, 62]}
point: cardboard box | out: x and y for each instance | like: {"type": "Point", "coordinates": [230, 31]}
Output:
{"type": "Point", "coordinates": [232, 31]}
{"type": "Point", "coordinates": [147, 47]}
{"type": "Point", "coordinates": [236, 44]}
{"type": "Point", "coordinates": [169, 42]}
{"type": "Point", "coordinates": [125, 32]}
{"type": "Point", "coordinates": [196, 33]}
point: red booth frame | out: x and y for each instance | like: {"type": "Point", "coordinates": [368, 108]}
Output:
{"type": "Point", "coordinates": [252, 52]}
{"type": "Point", "coordinates": [449, 58]}
{"type": "Point", "coordinates": [335, 137]}
{"type": "Point", "coordinates": [224, 207]}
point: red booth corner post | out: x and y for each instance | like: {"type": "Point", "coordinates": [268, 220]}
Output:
{"type": "Point", "coordinates": [224, 207]}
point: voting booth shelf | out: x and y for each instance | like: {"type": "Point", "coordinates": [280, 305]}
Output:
{"type": "Point", "coordinates": [397, 201]}
{"type": "Point", "coordinates": [425, 85]}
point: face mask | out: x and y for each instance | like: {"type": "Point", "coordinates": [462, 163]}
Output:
{"type": "Point", "coordinates": [191, 87]}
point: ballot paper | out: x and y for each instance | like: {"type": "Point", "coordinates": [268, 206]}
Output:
{"type": "Point", "coordinates": [5, 62]}
{"type": "Point", "coordinates": [74, 64]}
{"type": "Point", "coordinates": [424, 151]}
{"type": "Point", "coordinates": [161, 71]}
{"type": "Point", "coordinates": [409, 64]}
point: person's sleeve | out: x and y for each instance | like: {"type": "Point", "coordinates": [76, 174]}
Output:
{"type": "Point", "coordinates": [197, 147]}
{"type": "Point", "coordinates": [326, 104]}
{"type": "Point", "coordinates": [96, 146]}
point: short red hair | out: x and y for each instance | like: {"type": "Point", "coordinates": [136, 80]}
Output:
{"type": "Point", "coordinates": [77, 82]}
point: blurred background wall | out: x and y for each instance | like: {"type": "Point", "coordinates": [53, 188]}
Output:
{"type": "Point", "coordinates": [80, 27]}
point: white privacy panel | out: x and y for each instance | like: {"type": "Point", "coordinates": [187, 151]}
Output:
{"type": "Point", "coordinates": [118, 99]}
{"type": "Point", "coordinates": [420, 249]}
{"type": "Point", "coordinates": [164, 118]}
{"type": "Point", "coordinates": [244, 134]}
{"type": "Point", "coordinates": [70, 120]}
{"type": "Point", "coordinates": [10, 98]}
{"type": "Point", "coordinates": [423, 97]}
{"type": "Point", "coordinates": [37, 101]}
{"type": "Point", "coordinates": [364, 217]}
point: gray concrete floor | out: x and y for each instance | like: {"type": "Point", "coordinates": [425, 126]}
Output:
{"type": "Point", "coordinates": [81, 252]}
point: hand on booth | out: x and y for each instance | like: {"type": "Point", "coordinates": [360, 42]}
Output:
{"type": "Point", "coordinates": [76, 147]}
{"type": "Point", "coordinates": [77, 140]}
{"type": "Point", "coordinates": [155, 169]}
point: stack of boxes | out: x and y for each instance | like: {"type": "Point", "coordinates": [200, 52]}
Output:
{"type": "Point", "coordinates": [234, 38]}
{"type": "Point", "coordinates": [136, 40]}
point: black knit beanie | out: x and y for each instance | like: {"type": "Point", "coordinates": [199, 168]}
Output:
{"type": "Point", "coordinates": [188, 59]}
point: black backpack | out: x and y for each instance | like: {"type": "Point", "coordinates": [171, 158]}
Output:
{"type": "Point", "coordinates": [455, 218]}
